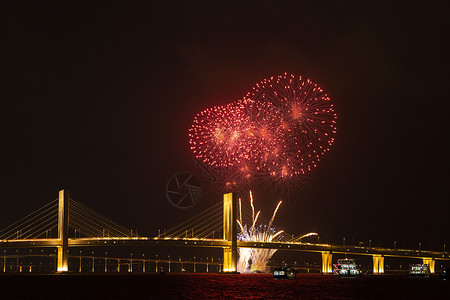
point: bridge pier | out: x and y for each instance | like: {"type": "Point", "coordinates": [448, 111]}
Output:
{"type": "Point", "coordinates": [327, 259]}
{"type": "Point", "coordinates": [63, 231]}
{"type": "Point", "coordinates": [230, 232]}
{"type": "Point", "coordinates": [378, 264]}
{"type": "Point", "coordinates": [430, 262]}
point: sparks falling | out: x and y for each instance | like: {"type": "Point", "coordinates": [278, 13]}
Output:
{"type": "Point", "coordinates": [251, 259]}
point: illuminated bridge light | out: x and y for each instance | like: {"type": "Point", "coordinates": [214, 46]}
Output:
{"type": "Point", "coordinates": [377, 253]}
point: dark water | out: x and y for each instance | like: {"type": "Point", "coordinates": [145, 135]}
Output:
{"type": "Point", "coordinates": [210, 286]}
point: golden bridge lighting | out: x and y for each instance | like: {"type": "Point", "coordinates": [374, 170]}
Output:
{"type": "Point", "coordinates": [256, 243]}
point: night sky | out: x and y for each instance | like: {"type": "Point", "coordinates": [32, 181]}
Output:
{"type": "Point", "coordinates": [99, 99]}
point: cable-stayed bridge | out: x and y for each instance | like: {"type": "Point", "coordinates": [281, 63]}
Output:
{"type": "Point", "coordinates": [79, 226]}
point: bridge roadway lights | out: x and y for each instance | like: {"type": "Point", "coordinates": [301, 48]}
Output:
{"type": "Point", "coordinates": [63, 232]}
{"type": "Point", "coordinates": [378, 264]}
{"type": "Point", "coordinates": [430, 262]}
{"type": "Point", "coordinates": [327, 259]}
{"type": "Point", "coordinates": [230, 235]}
{"type": "Point", "coordinates": [230, 232]}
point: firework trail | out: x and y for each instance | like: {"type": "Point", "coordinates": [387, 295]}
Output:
{"type": "Point", "coordinates": [251, 259]}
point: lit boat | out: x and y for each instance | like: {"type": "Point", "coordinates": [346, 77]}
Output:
{"type": "Point", "coordinates": [419, 270]}
{"type": "Point", "coordinates": [346, 268]}
{"type": "Point", "coordinates": [446, 274]}
{"type": "Point", "coordinates": [284, 273]}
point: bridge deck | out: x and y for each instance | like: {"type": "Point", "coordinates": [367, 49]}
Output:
{"type": "Point", "coordinates": [219, 243]}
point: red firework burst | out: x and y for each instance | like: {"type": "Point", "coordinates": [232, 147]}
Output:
{"type": "Point", "coordinates": [278, 132]}
{"type": "Point", "coordinates": [307, 122]}
{"type": "Point", "coordinates": [220, 136]}
{"type": "Point", "coordinates": [265, 131]}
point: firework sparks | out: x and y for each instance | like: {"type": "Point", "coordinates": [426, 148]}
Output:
{"type": "Point", "coordinates": [278, 132]}
{"type": "Point", "coordinates": [251, 259]}
{"type": "Point", "coordinates": [308, 122]}
{"type": "Point", "coordinates": [298, 239]}
{"type": "Point", "coordinates": [218, 136]}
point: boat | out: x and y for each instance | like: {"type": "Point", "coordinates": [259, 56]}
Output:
{"type": "Point", "coordinates": [161, 272]}
{"type": "Point", "coordinates": [346, 268]}
{"type": "Point", "coordinates": [446, 274]}
{"type": "Point", "coordinates": [419, 270]}
{"type": "Point", "coordinates": [284, 273]}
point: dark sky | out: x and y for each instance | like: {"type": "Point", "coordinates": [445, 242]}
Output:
{"type": "Point", "coordinates": [99, 99]}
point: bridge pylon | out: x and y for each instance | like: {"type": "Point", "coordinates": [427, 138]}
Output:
{"type": "Point", "coordinates": [378, 264]}
{"type": "Point", "coordinates": [63, 231]}
{"type": "Point", "coordinates": [430, 262]}
{"type": "Point", "coordinates": [230, 232]}
{"type": "Point", "coordinates": [327, 259]}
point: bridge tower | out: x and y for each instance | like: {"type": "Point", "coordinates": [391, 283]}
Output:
{"type": "Point", "coordinates": [327, 259]}
{"type": "Point", "coordinates": [430, 262]}
{"type": "Point", "coordinates": [63, 231]}
{"type": "Point", "coordinates": [378, 264]}
{"type": "Point", "coordinates": [230, 232]}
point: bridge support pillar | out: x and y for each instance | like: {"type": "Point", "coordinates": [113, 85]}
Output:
{"type": "Point", "coordinates": [378, 264]}
{"type": "Point", "coordinates": [430, 262]}
{"type": "Point", "coordinates": [63, 231]}
{"type": "Point", "coordinates": [230, 232]}
{"type": "Point", "coordinates": [327, 259]}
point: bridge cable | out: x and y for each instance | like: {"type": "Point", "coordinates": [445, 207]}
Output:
{"type": "Point", "coordinates": [195, 217]}
{"type": "Point", "coordinates": [32, 218]}
{"type": "Point", "coordinates": [198, 222]}
{"type": "Point", "coordinates": [95, 226]}
{"type": "Point", "coordinates": [94, 213]}
{"type": "Point", "coordinates": [91, 215]}
{"type": "Point", "coordinates": [32, 231]}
